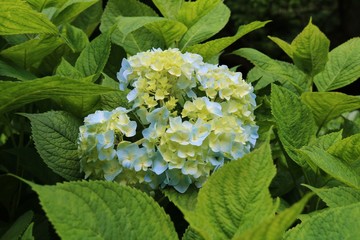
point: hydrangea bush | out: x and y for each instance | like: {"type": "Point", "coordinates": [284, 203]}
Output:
{"type": "Point", "coordinates": [187, 118]}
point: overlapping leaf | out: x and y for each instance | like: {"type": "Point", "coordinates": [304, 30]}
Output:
{"type": "Point", "coordinates": [103, 210]}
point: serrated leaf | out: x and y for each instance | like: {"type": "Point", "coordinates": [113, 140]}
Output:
{"type": "Point", "coordinates": [212, 48]}
{"type": "Point", "coordinates": [55, 135]}
{"type": "Point", "coordinates": [348, 150]}
{"type": "Point", "coordinates": [337, 196]}
{"type": "Point", "coordinates": [275, 227]}
{"type": "Point", "coordinates": [16, 94]}
{"type": "Point", "coordinates": [32, 52]}
{"type": "Point", "coordinates": [294, 120]}
{"type": "Point", "coordinates": [236, 197]}
{"type": "Point", "coordinates": [342, 68]}
{"type": "Point", "coordinates": [333, 166]}
{"type": "Point", "coordinates": [328, 105]}
{"type": "Point", "coordinates": [93, 58]}
{"type": "Point", "coordinates": [19, 18]}
{"type": "Point", "coordinates": [310, 50]}
{"type": "Point", "coordinates": [286, 47]}
{"type": "Point", "coordinates": [70, 10]}
{"type": "Point", "coordinates": [103, 210]}
{"type": "Point", "coordinates": [168, 8]}
{"type": "Point", "coordinates": [269, 71]}
{"type": "Point", "coordinates": [9, 69]}
{"type": "Point", "coordinates": [331, 224]}
{"type": "Point", "coordinates": [74, 37]}
{"type": "Point", "coordinates": [206, 26]}
{"type": "Point", "coordinates": [18, 227]}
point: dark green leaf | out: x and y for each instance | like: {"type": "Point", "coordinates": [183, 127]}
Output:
{"type": "Point", "coordinates": [18, 227]}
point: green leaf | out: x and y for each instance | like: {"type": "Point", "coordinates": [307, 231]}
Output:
{"type": "Point", "coordinates": [294, 120]}
{"type": "Point", "coordinates": [140, 40]}
{"type": "Point", "coordinates": [18, 227]}
{"type": "Point", "coordinates": [168, 8]}
{"type": "Point", "coordinates": [74, 37]}
{"type": "Point", "coordinates": [274, 228]}
{"type": "Point", "coordinates": [17, 94]}
{"type": "Point", "coordinates": [333, 166]}
{"type": "Point", "coordinates": [348, 150]}
{"type": "Point", "coordinates": [103, 210]}
{"type": "Point", "coordinates": [330, 224]}
{"type": "Point", "coordinates": [214, 47]}
{"type": "Point", "coordinates": [18, 17]}
{"type": "Point", "coordinates": [286, 47]}
{"type": "Point", "coordinates": [328, 105]}
{"type": "Point", "coordinates": [342, 68]}
{"type": "Point", "coordinates": [337, 196]}
{"type": "Point", "coordinates": [9, 69]}
{"type": "Point", "coordinates": [310, 50]}
{"type": "Point", "coordinates": [89, 19]}
{"type": "Point", "coordinates": [28, 233]}
{"type": "Point", "coordinates": [32, 52]}
{"type": "Point", "coordinates": [184, 201]}
{"type": "Point", "coordinates": [207, 26]}
{"type": "Point", "coordinates": [169, 30]}
{"type": "Point", "coordinates": [70, 10]}
{"type": "Point", "coordinates": [269, 70]}
{"type": "Point", "coordinates": [93, 58]}
{"type": "Point", "coordinates": [191, 234]}
{"type": "Point", "coordinates": [55, 135]}
{"type": "Point", "coordinates": [114, 99]}
{"type": "Point", "coordinates": [236, 197]}
{"type": "Point", "coordinates": [65, 69]}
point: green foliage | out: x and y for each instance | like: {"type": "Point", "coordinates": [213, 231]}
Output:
{"type": "Point", "coordinates": [53, 74]}
{"type": "Point", "coordinates": [332, 223]}
{"type": "Point", "coordinates": [103, 210]}
{"type": "Point", "coordinates": [60, 154]}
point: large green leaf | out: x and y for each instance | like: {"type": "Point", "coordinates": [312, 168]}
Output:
{"type": "Point", "coordinates": [18, 227]}
{"type": "Point", "coordinates": [207, 26]}
{"type": "Point", "coordinates": [70, 10]}
{"type": "Point", "coordinates": [18, 17]}
{"type": "Point", "coordinates": [337, 196]}
{"type": "Point", "coordinates": [328, 105]}
{"type": "Point", "coordinates": [214, 47]}
{"type": "Point", "coordinates": [310, 50]}
{"type": "Point", "coordinates": [332, 224]}
{"type": "Point", "coordinates": [27, 235]}
{"type": "Point", "coordinates": [333, 166]}
{"type": "Point", "coordinates": [55, 135]}
{"type": "Point", "coordinates": [93, 58]}
{"type": "Point", "coordinates": [17, 94]}
{"type": "Point", "coordinates": [32, 52]}
{"type": "Point", "coordinates": [168, 8]}
{"type": "Point", "coordinates": [267, 70]}
{"type": "Point", "coordinates": [342, 68]}
{"type": "Point", "coordinates": [103, 210]}
{"type": "Point", "coordinates": [236, 197]}
{"type": "Point", "coordinates": [294, 120]}
{"type": "Point", "coordinates": [348, 150]}
{"type": "Point", "coordinates": [169, 30]}
{"type": "Point", "coordinates": [274, 228]}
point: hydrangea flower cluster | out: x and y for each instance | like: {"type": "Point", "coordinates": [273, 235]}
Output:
{"type": "Point", "coordinates": [189, 118]}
